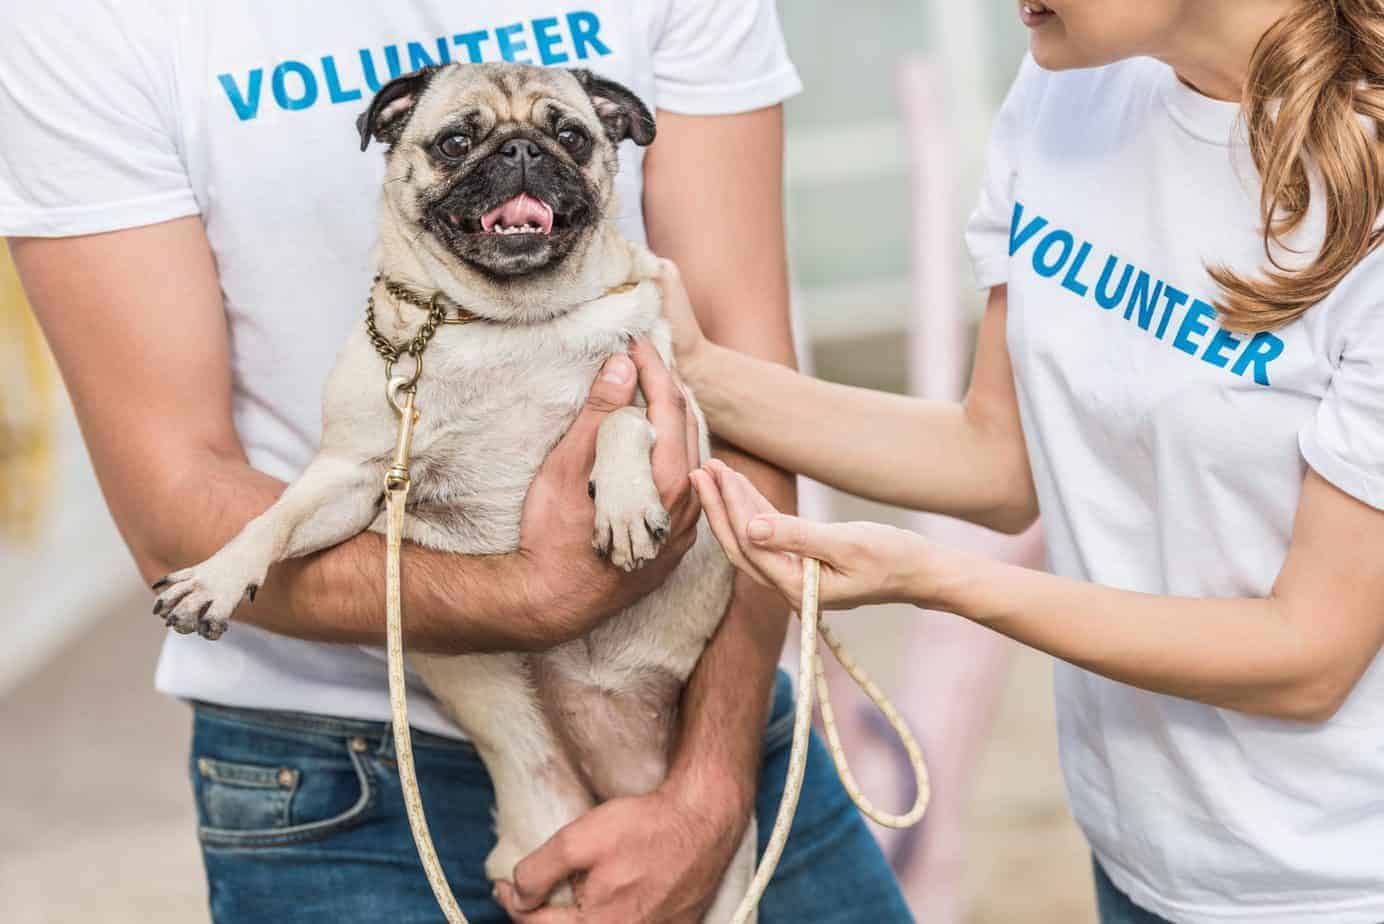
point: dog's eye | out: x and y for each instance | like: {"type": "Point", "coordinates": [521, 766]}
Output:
{"type": "Point", "coordinates": [454, 147]}
{"type": "Point", "coordinates": [571, 139]}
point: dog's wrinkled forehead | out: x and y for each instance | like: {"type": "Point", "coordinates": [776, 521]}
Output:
{"type": "Point", "coordinates": [503, 94]}
{"type": "Point", "coordinates": [495, 96]}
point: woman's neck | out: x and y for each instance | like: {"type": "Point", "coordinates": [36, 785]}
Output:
{"type": "Point", "coordinates": [1211, 51]}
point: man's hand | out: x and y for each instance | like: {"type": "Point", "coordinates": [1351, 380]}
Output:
{"type": "Point", "coordinates": [570, 588]}
{"type": "Point", "coordinates": [654, 859]}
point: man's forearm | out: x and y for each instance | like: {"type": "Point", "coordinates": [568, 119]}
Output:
{"type": "Point", "coordinates": [726, 703]}
{"type": "Point", "coordinates": [454, 602]}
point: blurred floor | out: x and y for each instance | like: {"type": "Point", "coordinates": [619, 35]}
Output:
{"type": "Point", "coordinates": [96, 817]}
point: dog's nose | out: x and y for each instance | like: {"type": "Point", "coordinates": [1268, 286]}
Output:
{"type": "Point", "coordinates": [521, 152]}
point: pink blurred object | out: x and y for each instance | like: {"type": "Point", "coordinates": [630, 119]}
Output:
{"type": "Point", "coordinates": [961, 668]}
{"type": "Point", "coordinates": [957, 670]}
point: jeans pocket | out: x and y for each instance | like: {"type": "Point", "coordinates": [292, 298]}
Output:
{"type": "Point", "coordinates": [238, 797]}
{"type": "Point", "coordinates": [248, 805]}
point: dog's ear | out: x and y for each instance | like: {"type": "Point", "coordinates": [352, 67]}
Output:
{"type": "Point", "coordinates": [623, 114]}
{"type": "Point", "coordinates": [389, 110]}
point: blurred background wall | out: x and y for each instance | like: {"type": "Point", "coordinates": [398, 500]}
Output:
{"type": "Point", "coordinates": [96, 821]}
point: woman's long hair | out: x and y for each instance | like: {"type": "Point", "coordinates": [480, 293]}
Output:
{"type": "Point", "coordinates": [1314, 102]}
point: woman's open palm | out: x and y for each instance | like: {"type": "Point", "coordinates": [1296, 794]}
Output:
{"type": "Point", "coordinates": [862, 563]}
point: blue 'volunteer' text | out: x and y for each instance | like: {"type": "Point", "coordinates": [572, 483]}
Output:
{"type": "Point", "coordinates": [296, 85]}
{"type": "Point", "coordinates": [1150, 303]}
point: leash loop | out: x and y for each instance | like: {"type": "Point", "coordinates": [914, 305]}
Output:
{"type": "Point", "coordinates": [809, 670]}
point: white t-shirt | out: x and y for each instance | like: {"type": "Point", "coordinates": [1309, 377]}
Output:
{"type": "Point", "coordinates": [1169, 456]}
{"type": "Point", "coordinates": [119, 114]}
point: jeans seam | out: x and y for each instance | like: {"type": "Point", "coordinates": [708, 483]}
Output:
{"type": "Point", "coordinates": [297, 834]}
{"type": "Point", "coordinates": [779, 731]}
{"type": "Point", "coordinates": [326, 727]}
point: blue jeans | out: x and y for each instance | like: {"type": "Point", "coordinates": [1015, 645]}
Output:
{"type": "Point", "coordinates": [1115, 907]}
{"type": "Point", "coordinates": [302, 821]}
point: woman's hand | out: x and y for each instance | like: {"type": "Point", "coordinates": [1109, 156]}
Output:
{"type": "Point", "coordinates": [862, 563]}
{"type": "Point", "coordinates": [571, 589]}
{"type": "Point", "coordinates": [689, 343]}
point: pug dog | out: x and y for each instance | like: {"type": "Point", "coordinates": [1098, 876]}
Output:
{"type": "Point", "coordinates": [499, 194]}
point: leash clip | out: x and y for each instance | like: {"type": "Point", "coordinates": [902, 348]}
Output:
{"type": "Point", "coordinates": [397, 477]}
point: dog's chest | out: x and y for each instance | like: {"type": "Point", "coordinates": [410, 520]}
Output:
{"type": "Point", "coordinates": [494, 403]}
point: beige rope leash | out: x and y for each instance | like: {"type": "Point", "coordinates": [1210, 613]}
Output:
{"type": "Point", "coordinates": [810, 668]}
{"type": "Point", "coordinates": [396, 486]}
{"type": "Point", "coordinates": [401, 392]}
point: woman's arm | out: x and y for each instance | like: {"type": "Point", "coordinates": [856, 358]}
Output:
{"type": "Point", "coordinates": [1295, 654]}
{"type": "Point", "coordinates": [966, 460]}
{"type": "Point", "coordinates": [136, 322]}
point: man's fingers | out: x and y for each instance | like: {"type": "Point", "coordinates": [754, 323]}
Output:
{"type": "Point", "coordinates": [667, 412]}
{"type": "Point", "coordinates": [509, 900]}
{"type": "Point", "coordinates": [694, 434]}
{"type": "Point", "coordinates": [563, 856]}
{"type": "Point", "coordinates": [613, 389]}
{"type": "Point", "coordinates": [691, 505]}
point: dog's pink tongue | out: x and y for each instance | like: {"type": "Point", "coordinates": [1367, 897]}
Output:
{"type": "Point", "coordinates": [522, 210]}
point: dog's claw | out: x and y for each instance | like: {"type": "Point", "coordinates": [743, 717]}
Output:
{"type": "Point", "coordinates": [161, 583]}
{"type": "Point", "coordinates": [591, 489]}
{"type": "Point", "coordinates": [202, 599]}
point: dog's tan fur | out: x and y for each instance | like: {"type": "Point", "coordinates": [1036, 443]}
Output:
{"type": "Point", "coordinates": [589, 720]}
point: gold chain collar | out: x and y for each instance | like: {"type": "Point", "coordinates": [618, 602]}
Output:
{"type": "Point", "coordinates": [391, 352]}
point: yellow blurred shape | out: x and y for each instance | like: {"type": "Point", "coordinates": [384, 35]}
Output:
{"type": "Point", "coordinates": [26, 411]}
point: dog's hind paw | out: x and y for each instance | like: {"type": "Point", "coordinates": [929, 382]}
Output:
{"type": "Point", "coordinates": [202, 599]}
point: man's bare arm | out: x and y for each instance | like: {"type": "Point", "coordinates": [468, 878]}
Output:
{"type": "Point", "coordinates": [726, 173]}
{"type": "Point", "coordinates": [136, 322]}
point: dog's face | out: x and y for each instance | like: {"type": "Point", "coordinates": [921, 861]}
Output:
{"type": "Point", "coordinates": [503, 168]}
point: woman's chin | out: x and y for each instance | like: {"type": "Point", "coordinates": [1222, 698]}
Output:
{"type": "Point", "coordinates": [1053, 54]}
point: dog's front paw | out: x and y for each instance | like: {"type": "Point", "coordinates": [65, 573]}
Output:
{"type": "Point", "coordinates": [631, 523]}
{"type": "Point", "coordinates": [202, 599]}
